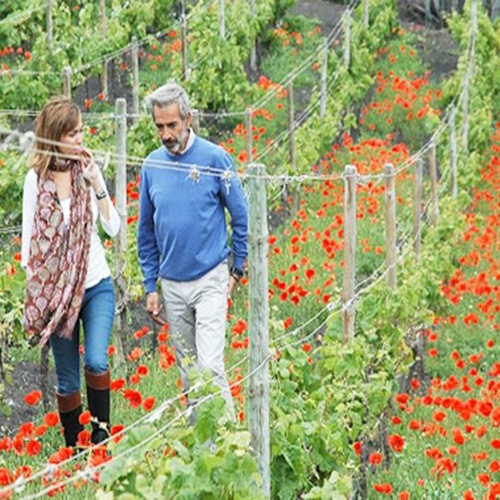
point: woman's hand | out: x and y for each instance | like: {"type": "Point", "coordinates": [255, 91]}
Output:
{"type": "Point", "coordinates": [91, 171]}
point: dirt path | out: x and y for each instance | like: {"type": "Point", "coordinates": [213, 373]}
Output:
{"type": "Point", "coordinates": [327, 12]}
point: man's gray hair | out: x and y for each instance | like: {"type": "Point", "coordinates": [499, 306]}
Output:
{"type": "Point", "coordinates": [170, 93]}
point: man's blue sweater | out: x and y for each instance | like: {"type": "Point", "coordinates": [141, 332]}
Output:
{"type": "Point", "coordinates": [182, 226]}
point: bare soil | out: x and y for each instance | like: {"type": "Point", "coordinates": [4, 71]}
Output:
{"type": "Point", "coordinates": [26, 377]}
{"type": "Point", "coordinates": [328, 13]}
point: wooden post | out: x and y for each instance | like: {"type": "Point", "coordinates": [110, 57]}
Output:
{"type": "Point", "coordinates": [291, 127]}
{"type": "Point", "coordinates": [195, 120]}
{"type": "Point", "coordinates": [50, 35]}
{"type": "Point", "coordinates": [258, 324]}
{"type": "Point", "coordinates": [465, 115]}
{"type": "Point", "coordinates": [417, 208]}
{"type": "Point", "coordinates": [390, 227]}
{"type": "Point", "coordinates": [44, 376]}
{"type": "Point", "coordinates": [468, 81]}
{"type": "Point", "coordinates": [104, 18]}
{"type": "Point", "coordinates": [348, 313]}
{"type": "Point", "coordinates": [434, 216]}
{"type": "Point", "coordinates": [135, 80]}
{"type": "Point", "coordinates": [253, 53]}
{"type": "Point", "coordinates": [427, 7]}
{"type": "Point", "coordinates": [324, 79]}
{"type": "Point", "coordinates": [120, 335]}
{"type": "Point", "coordinates": [222, 20]}
{"type": "Point", "coordinates": [248, 126]}
{"type": "Point", "coordinates": [453, 153]}
{"type": "Point", "coordinates": [474, 18]}
{"type": "Point", "coordinates": [104, 34]}
{"type": "Point", "coordinates": [184, 47]}
{"type": "Point", "coordinates": [104, 77]}
{"type": "Point", "coordinates": [347, 41]}
{"type": "Point", "coordinates": [366, 14]}
{"type": "Point", "coordinates": [67, 82]}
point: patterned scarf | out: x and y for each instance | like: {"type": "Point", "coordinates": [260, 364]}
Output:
{"type": "Point", "coordinates": [57, 265]}
{"type": "Point", "coordinates": [61, 164]}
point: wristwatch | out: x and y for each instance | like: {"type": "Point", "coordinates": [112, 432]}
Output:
{"type": "Point", "coordinates": [236, 273]}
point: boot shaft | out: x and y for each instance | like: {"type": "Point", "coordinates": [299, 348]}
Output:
{"type": "Point", "coordinates": [98, 400]}
{"type": "Point", "coordinates": [70, 409]}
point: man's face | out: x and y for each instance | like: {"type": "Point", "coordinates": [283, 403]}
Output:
{"type": "Point", "coordinates": [172, 129]}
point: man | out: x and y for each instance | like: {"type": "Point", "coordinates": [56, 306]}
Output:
{"type": "Point", "coordinates": [186, 185]}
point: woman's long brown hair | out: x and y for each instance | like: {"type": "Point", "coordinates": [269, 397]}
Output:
{"type": "Point", "coordinates": [58, 117]}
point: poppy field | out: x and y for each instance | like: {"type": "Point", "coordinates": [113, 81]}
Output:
{"type": "Point", "coordinates": [410, 407]}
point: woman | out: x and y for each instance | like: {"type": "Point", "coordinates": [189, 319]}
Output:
{"type": "Point", "coordinates": [68, 278]}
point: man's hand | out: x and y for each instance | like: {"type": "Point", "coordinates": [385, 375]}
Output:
{"type": "Point", "coordinates": [152, 305]}
{"type": "Point", "coordinates": [232, 284]}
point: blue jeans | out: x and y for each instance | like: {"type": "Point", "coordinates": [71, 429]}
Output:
{"type": "Point", "coordinates": [96, 315]}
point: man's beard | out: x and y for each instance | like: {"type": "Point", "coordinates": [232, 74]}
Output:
{"type": "Point", "coordinates": [174, 146]}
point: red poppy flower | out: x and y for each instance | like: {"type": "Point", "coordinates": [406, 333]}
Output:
{"type": "Point", "coordinates": [33, 448]}
{"type": "Point", "coordinates": [385, 488]}
{"type": "Point", "coordinates": [375, 458]}
{"type": "Point", "coordinates": [148, 403]}
{"type": "Point", "coordinates": [27, 430]}
{"type": "Point", "coordinates": [357, 448]}
{"type": "Point", "coordinates": [483, 478]}
{"type": "Point", "coordinates": [41, 430]}
{"type": "Point", "coordinates": [24, 470]}
{"type": "Point", "coordinates": [5, 444]}
{"type": "Point", "coordinates": [134, 397]}
{"type": "Point", "coordinates": [396, 442]}
{"type": "Point", "coordinates": [85, 418]}
{"type": "Point", "coordinates": [5, 477]}
{"type": "Point", "coordinates": [61, 455]}
{"type": "Point", "coordinates": [84, 439]}
{"type": "Point", "coordinates": [402, 398]}
{"type": "Point", "coordinates": [142, 370]}
{"type": "Point", "coordinates": [494, 466]}
{"type": "Point", "coordinates": [135, 354]}
{"type": "Point", "coordinates": [457, 435]}
{"type": "Point", "coordinates": [33, 397]}
{"type": "Point", "coordinates": [439, 416]}
{"type": "Point", "coordinates": [414, 425]}
{"type": "Point", "coordinates": [51, 419]}
{"type": "Point", "coordinates": [162, 337]}
{"type": "Point", "coordinates": [116, 432]}
{"type": "Point", "coordinates": [117, 384]}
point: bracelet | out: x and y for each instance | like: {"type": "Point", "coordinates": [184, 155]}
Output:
{"type": "Point", "coordinates": [101, 194]}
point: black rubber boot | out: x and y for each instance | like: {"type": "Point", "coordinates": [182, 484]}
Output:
{"type": "Point", "coordinates": [98, 402]}
{"type": "Point", "coordinates": [70, 409]}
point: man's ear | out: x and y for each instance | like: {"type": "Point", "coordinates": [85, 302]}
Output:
{"type": "Point", "coordinates": [189, 119]}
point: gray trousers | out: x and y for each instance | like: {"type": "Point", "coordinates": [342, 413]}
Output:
{"type": "Point", "coordinates": [196, 312]}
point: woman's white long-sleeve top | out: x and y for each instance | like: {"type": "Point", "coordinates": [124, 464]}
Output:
{"type": "Point", "coordinates": [98, 268]}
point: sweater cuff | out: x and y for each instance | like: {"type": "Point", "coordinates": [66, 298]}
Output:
{"type": "Point", "coordinates": [238, 262]}
{"type": "Point", "coordinates": [150, 285]}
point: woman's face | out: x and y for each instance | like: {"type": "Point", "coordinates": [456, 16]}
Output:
{"type": "Point", "coordinates": [72, 142]}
